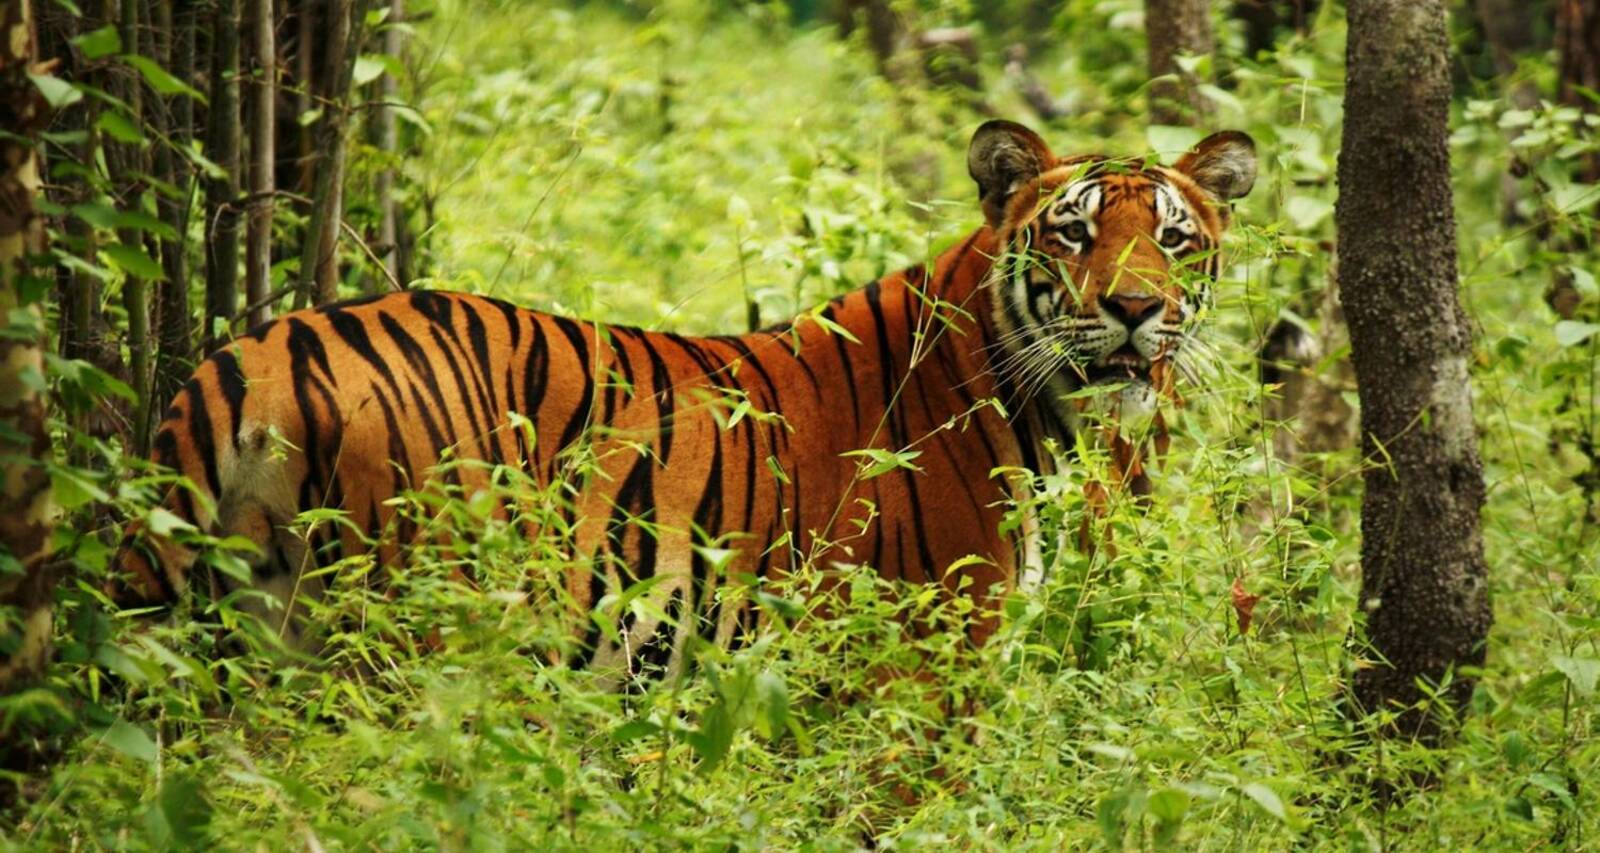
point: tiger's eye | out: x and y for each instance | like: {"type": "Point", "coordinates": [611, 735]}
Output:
{"type": "Point", "coordinates": [1172, 238]}
{"type": "Point", "coordinates": [1076, 231]}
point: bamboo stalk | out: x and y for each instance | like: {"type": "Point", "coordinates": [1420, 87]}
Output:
{"type": "Point", "coordinates": [263, 157]}
{"type": "Point", "coordinates": [222, 146]}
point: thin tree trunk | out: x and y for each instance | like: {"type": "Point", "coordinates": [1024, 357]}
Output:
{"type": "Point", "coordinates": [222, 146]}
{"type": "Point", "coordinates": [263, 160]}
{"type": "Point", "coordinates": [388, 144]}
{"type": "Point", "coordinates": [1424, 583]}
{"type": "Point", "coordinates": [306, 79]}
{"type": "Point", "coordinates": [175, 118]}
{"type": "Point", "coordinates": [27, 510]}
{"type": "Point", "coordinates": [1173, 28]}
{"type": "Point", "coordinates": [128, 160]}
{"type": "Point", "coordinates": [1263, 18]}
{"type": "Point", "coordinates": [1578, 42]}
{"type": "Point", "coordinates": [319, 259]}
{"type": "Point", "coordinates": [79, 302]}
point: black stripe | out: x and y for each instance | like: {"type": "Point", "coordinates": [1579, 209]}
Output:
{"type": "Point", "coordinates": [661, 387]}
{"type": "Point", "coordinates": [479, 426]}
{"type": "Point", "coordinates": [708, 521]}
{"type": "Point", "coordinates": [477, 335]}
{"type": "Point", "coordinates": [535, 377]}
{"type": "Point", "coordinates": [353, 332]}
{"type": "Point", "coordinates": [200, 433]}
{"type": "Point", "coordinates": [849, 370]}
{"type": "Point", "coordinates": [230, 380]}
{"type": "Point", "coordinates": [580, 415]}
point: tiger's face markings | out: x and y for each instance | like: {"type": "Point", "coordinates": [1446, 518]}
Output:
{"type": "Point", "coordinates": [1107, 263]}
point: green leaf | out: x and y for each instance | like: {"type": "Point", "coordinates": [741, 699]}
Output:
{"type": "Point", "coordinates": [1519, 807]}
{"type": "Point", "coordinates": [130, 740]}
{"type": "Point", "coordinates": [164, 522]}
{"type": "Point", "coordinates": [880, 462]}
{"type": "Point", "coordinates": [633, 730]}
{"type": "Point", "coordinates": [1582, 672]}
{"type": "Point", "coordinates": [832, 327]}
{"type": "Point", "coordinates": [1170, 142]}
{"type": "Point", "coordinates": [184, 810]}
{"type": "Point", "coordinates": [111, 219]}
{"type": "Point", "coordinates": [57, 92]}
{"type": "Point", "coordinates": [773, 694]}
{"type": "Point", "coordinates": [367, 69]}
{"type": "Point", "coordinates": [160, 80]}
{"type": "Point", "coordinates": [717, 559]}
{"type": "Point", "coordinates": [1553, 784]}
{"type": "Point", "coordinates": [72, 489]}
{"type": "Point", "coordinates": [1267, 799]}
{"type": "Point", "coordinates": [133, 261]}
{"type": "Point", "coordinates": [738, 211]}
{"type": "Point", "coordinates": [1574, 198]}
{"type": "Point", "coordinates": [1169, 805]}
{"type": "Point", "coordinates": [1307, 212]}
{"type": "Point", "coordinates": [713, 739]}
{"type": "Point", "coordinates": [100, 43]}
{"type": "Point", "coordinates": [118, 127]}
{"type": "Point", "coordinates": [1574, 332]}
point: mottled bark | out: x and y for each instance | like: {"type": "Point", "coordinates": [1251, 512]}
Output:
{"type": "Point", "coordinates": [263, 160]}
{"type": "Point", "coordinates": [26, 508]}
{"type": "Point", "coordinates": [1174, 28]}
{"type": "Point", "coordinates": [1424, 589]}
{"type": "Point", "coordinates": [222, 193]}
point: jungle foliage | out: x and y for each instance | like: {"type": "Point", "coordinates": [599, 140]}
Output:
{"type": "Point", "coordinates": [681, 165]}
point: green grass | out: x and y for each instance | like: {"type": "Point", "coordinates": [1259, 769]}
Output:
{"type": "Point", "coordinates": [1121, 706]}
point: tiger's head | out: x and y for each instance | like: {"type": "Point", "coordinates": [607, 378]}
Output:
{"type": "Point", "coordinates": [1104, 264]}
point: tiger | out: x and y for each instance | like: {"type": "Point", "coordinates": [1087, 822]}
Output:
{"type": "Point", "coordinates": [892, 413]}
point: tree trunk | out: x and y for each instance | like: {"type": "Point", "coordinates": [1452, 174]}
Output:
{"type": "Point", "coordinates": [1173, 28]}
{"type": "Point", "coordinates": [127, 160]}
{"type": "Point", "coordinates": [175, 347]}
{"type": "Point", "coordinates": [26, 507]}
{"type": "Point", "coordinates": [885, 31]}
{"type": "Point", "coordinates": [222, 146]}
{"type": "Point", "coordinates": [1578, 42]}
{"type": "Point", "coordinates": [80, 296]}
{"type": "Point", "coordinates": [319, 259]}
{"type": "Point", "coordinates": [1424, 582]}
{"type": "Point", "coordinates": [305, 55]}
{"type": "Point", "coordinates": [263, 161]}
{"type": "Point", "coordinates": [1264, 18]}
{"type": "Point", "coordinates": [388, 143]}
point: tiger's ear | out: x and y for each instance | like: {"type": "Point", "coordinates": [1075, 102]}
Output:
{"type": "Point", "coordinates": [1223, 164]}
{"type": "Point", "coordinates": [1004, 157]}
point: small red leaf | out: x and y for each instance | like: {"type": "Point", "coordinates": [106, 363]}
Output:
{"type": "Point", "coordinates": [1244, 605]}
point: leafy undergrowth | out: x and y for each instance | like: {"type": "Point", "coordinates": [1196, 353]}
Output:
{"type": "Point", "coordinates": [654, 168]}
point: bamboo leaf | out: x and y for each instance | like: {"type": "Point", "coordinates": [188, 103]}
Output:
{"type": "Point", "coordinates": [133, 261]}
{"type": "Point", "coordinates": [160, 80]}
{"type": "Point", "coordinates": [98, 44]}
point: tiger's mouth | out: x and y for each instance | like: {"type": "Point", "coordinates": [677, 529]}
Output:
{"type": "Point", "coordinates": [1123, 365]}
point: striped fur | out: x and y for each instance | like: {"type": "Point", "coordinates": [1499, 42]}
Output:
{"type": "Point", "coordinates": [368, 395]}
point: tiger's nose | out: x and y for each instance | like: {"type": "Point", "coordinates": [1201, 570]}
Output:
{"type": "Point", "coordinates": [1129, 310]}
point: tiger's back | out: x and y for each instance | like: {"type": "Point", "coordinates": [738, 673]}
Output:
{"type": "Point", "coordinates": [664, 441]}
